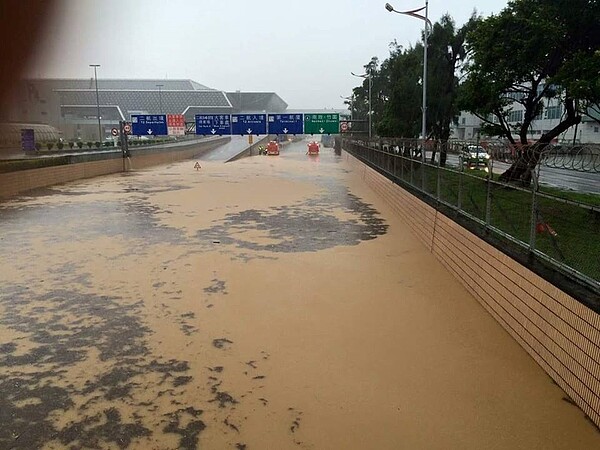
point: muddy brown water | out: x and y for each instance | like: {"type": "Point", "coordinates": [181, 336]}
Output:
{"type": "Point", "coordinates": [270, 303]}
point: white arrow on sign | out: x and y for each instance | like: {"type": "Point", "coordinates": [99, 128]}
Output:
{"type": "Point", "coordinates": [285, 130]}
{"type": "Point", "coordinates": [213, 131]}
{"type": "Point", "coordinates": [321, 130]}
{"type": "Point", "coordinates": [249, 130]}
{"type": "Point", "coordinates": [149, 131]}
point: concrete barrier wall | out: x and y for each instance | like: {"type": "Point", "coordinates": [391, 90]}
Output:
{"type": "Point", "coordinates": [15, 183]}
{"type": "Point", "coordinates": [560, 333]}
{"type": "Point", "coordinates": [252, 150]}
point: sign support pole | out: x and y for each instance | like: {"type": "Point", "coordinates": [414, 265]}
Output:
{"type": "Point", "coordinates": [124, 143]}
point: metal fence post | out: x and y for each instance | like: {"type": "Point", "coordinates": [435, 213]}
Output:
{"type": "Point", "coordinates": [460, 183]}
{"type": "Point", "coordinates": [534, 211]}
{"type": "Point", "coordinates": [423, 161]}
{"type": "Point", "coordinates": [402, 165]}
{"type": "Point", "coordinates": [488, 200]}
{"type": "Point", "coordinates": [438, 175]}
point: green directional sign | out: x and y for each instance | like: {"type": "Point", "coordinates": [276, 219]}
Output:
{"type": "Point", "coordinates": [321, 123]}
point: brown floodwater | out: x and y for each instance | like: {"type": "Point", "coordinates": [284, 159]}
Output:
{"type": "Point", "coordinates": [270, 303]}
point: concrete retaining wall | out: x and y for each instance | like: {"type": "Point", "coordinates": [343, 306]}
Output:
{"type": "Point", "coordinates": [15, 183]}
{"type": "Point", "coordinates": [560, 333]}
{"type": "Point", "coordinates": [252, 150]}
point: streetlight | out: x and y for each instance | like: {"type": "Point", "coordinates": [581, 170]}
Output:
{"type": "Point", "coordinates": [95, 66]}
{"type": "Point", "coordinates": [351, 100]}
{"type": "Point", "coordinates": [159, 86]}
{"type": "Point", "coordinates": [367, 76]}
{"type": "Point", "coordinates": [414, 13]}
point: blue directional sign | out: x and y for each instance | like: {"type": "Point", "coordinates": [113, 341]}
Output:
{"type": "Point", "coordinates": [286, 124]}
{"type": "Point", "coordinates": [248, 124]}
{"type": "Point", "coordinates": [213, 124]}
{"type": "Point", "coordinates": [149, 125]}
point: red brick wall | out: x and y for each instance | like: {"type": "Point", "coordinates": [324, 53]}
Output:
{"type": "Point", "coordinates": [560, 333]}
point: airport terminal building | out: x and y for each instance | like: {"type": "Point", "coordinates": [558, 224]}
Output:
{"type": "Point", "coordinates": [71, 105]}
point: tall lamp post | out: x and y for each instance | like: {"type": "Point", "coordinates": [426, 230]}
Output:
{"type": "Point", "coordinates": [95, 66]}
{"type": "Point", "coordinates": [367, 76]}
{"type": "Point", "coordinates": [159, 86]}
{"type": "Point", "coordinates": [415, 13]}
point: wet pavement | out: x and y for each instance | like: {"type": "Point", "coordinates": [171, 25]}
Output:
{"type": "Point", "coordinates": [231, 149]}
{"type": "Point", "coordinates": [273, 302]}
{"type": "Point", "coordinates": [588, 182]}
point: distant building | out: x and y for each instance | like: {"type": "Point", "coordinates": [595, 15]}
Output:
{"type": "Point", "coordinates": [468, 126]}
{"type": "Point", "coordinates": [70, 105]}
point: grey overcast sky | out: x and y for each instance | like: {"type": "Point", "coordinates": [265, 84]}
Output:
{"type": "Point", "coordinates": [302, 50]}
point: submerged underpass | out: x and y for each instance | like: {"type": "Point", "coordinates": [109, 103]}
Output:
{"type": "Point", "coordinates": [271, 302]}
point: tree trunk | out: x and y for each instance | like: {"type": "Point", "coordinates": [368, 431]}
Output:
{"type": "Point", "coordinates": [444, 153]}
{"type": "Point", "coordinates": [433, 152]}
{"type": "Point", "coordinates": [528, 158]}
{"type": "Point", "coordinates": [522, 168]}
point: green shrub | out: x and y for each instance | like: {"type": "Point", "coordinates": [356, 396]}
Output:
{"type": "Point", "coordinates": [79, 144]}
{"type": "Point", "coordinates": [50, 145]}
{"type": "Point", "coordinates": [38, 146]}
{"type": "Point", "coordinates": [60, 145]}
{"type": "Point", "coordinates": [89, 144]}
{"type": "Point", "coordinates": [71, 145]}
{"type": "Point", "coordinates": [98, 144]}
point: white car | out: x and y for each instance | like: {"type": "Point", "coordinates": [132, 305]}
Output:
{"type": "Point", "coordinates": [474, 155]}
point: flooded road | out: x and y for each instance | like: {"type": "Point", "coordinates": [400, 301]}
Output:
{"type": "Point", "coordinates": [274, 302]}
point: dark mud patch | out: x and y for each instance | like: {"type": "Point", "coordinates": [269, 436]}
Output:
{"type": "Point", "coordinates": [132, 218]}
{"type": "Point", "coordinates": [189, 433]}
{"type": "Point", "coordinates": [184, 326]}
{"type": "Point", "coordinates": [91, 433]}
{"type": "Point", "coordinates": [181, 380]}
{"type": "Point", "coordinates": [221, 343]}
{"type": "Point", "coordinates": [217, 287]}
{"type": "Point", "coordinates": [223, 399]}
{"type": "Point", "coordinates": [60, 330]}
{"type": "Point", "coordinates": [304, 227]}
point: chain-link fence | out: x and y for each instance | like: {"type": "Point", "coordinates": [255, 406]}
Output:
{"type": "Point", "coordinates": [560, 228]}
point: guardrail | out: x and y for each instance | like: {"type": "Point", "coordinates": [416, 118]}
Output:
{"type": "Point", "coordinates": [560, 231]}
{"type": "Point", "coordinates": [579, 158]}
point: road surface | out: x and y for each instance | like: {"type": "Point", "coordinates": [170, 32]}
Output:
{"type": "Point", "coordinates": [559, 178]}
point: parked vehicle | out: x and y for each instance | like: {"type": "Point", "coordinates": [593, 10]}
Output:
{"type": "Point", "coordinates": [474, 155]}
{"type": "Point", "coordinates": [313, 148]}
{"type": "Point", "coordinates": [272, 148]}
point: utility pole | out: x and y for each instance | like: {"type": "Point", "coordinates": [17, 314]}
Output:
{"type": "Point", "coordinates": [95, 66]}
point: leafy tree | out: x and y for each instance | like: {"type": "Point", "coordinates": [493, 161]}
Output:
{"type": "Point", "coordinates": [532, 51]}
{"type": "Point", "coordinates": [397, 84]}
{"type": "Point", "coordinates": [446, 54]}
{"type": "Point", "coordinates": [401, 112]}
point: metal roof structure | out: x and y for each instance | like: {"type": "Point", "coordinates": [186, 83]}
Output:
{"type": "Point", "coordinates": [120, 104]}
{"type": "Point", "coordinates": [71, 104]}
{"type": "Point", "coordinates": [256, 101]}
{"type": "Point", "coordinates": [119, 84]}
